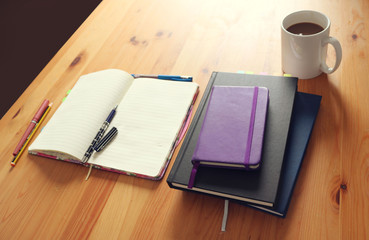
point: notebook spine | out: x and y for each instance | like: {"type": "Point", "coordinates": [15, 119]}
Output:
{"type": "Point", "coordinates": [190, 132]}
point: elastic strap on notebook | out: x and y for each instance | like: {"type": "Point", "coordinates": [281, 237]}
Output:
{"type": "Point", "coordinates": [251, 126]}
{"type": "Point", "coordinates": [191, 182]}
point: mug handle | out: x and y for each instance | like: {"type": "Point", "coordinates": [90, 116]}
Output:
{"type": "Point", "coordinates": [337, 47]}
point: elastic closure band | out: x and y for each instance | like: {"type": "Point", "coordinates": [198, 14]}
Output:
{"type": "Point", "coordinates": [191, 182]}
{"type": "Point", "coordinates": [251, 126]}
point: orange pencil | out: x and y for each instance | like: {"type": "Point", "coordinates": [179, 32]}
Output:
{"type": "Point", "coordinates": [31, 126]}
{"type": "Point", "coordinates": [15, 159]}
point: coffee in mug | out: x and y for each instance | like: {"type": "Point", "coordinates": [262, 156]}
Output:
{"type": "Point", "coordinates": [305, 28]}
{"type": "Point", "coordinates": [305, 37]}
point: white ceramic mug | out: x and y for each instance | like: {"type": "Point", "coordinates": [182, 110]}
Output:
{"type": "Point", "coordinates": [304, 56]}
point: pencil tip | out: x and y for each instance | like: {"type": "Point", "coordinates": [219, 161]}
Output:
{"type": "Point", "coordinates": [13, 161]}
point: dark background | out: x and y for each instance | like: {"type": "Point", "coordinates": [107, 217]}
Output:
{"type": "Point", "coordinates": [32, 31]}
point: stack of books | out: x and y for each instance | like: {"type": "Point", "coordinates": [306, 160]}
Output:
{"type": "Point", "coordinates": [290, 119]}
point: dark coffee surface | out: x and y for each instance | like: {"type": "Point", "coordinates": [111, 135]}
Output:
{"type": "Point", "coordinates": [305, 28]}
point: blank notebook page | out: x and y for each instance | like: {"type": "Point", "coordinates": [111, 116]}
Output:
{"type": "Point", "coordinates": [77, 120]}
{"type": "Point", "coordinates": [148, 121]}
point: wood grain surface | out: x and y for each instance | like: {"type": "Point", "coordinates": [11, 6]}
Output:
{"type": "Point", "coordinates": [47, 199]}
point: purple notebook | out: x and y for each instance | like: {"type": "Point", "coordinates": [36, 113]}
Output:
{"type": "Point", "coordinates": [233, 129]}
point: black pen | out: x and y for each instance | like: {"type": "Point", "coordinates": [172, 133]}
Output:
{"type": "Point", "coordinates": [98, 136]}
{"type": "Point", "coordinates": [106, 139]}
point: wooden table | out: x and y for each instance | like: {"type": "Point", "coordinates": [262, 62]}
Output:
{"type": "Point", "coordinates": [46, 199]}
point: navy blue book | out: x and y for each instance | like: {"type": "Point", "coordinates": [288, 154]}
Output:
{"type": "Point", "coordinates": [305, 111]}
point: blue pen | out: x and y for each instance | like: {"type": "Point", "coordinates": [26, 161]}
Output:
{"type": "Point", "coordinates": [98, 136]}
{"type": "Point", "coordinates": [165, 77]}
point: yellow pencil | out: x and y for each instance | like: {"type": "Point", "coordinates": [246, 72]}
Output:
{"type": "Point", "coordinates": [15, 159]}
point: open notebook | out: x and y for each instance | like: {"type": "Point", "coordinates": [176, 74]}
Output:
{"type": "Point", "coordinates": [151, 114]}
